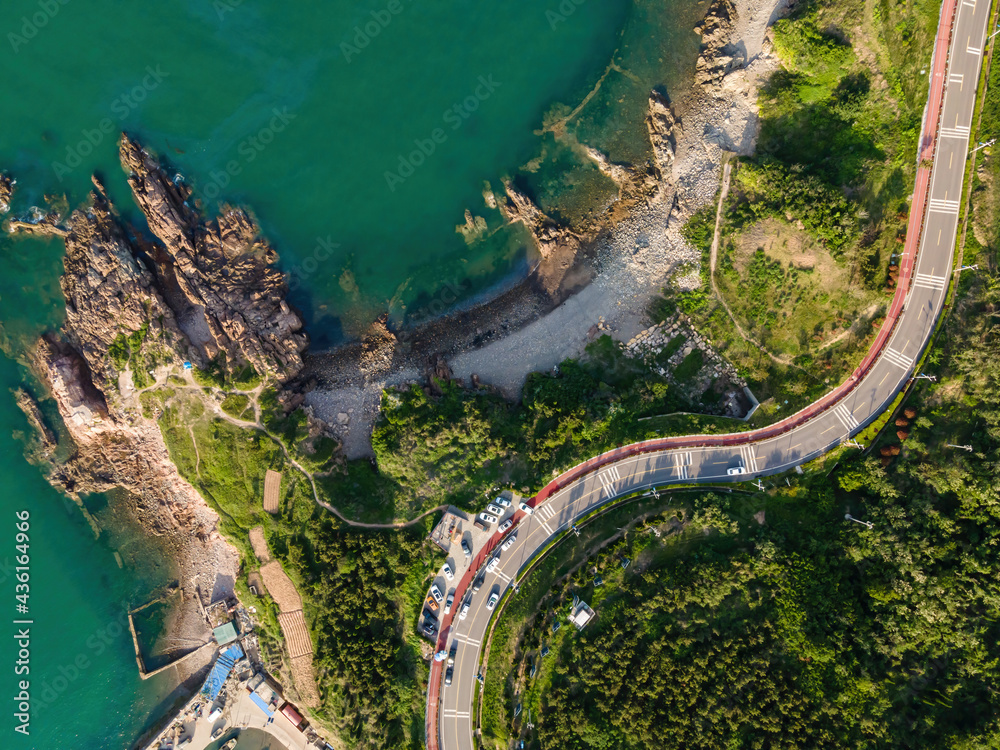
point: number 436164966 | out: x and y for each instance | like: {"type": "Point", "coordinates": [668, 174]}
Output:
{"type": "Point", "coordinates": [22, 570]}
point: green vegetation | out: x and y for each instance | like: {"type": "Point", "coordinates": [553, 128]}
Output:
{"type": "Point", "coordinates": [812, 220]}
{"type": "Point", "coordinates": [237, 405]}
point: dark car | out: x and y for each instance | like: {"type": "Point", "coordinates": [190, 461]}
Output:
{"type": "Point", "coordinates": [478, 583]}
{"type": "Point", "coordinates": [430, 616]}
{"type": "Point", "coordinates": [449, 673]}
{"type": "Point", "coordinates": [451, 652]}
{"type": "Point", "coordinates": [429, 628]}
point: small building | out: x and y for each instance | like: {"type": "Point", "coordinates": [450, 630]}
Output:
{"type": "Point", "coordinates": [292, 714]}
{"type": "Point", "coordinates": [581, 614]}
{"type": "Point", "coordinates": [264, 693]}
{"type": "Point", "coordinates": [220, 671]}
{"type": "Point", "coordinates": [225, 633]}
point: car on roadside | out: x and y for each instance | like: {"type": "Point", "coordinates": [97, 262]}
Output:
{"type": "Point", "coordinates": [488, 518]}
{"type": "Point", "coordinates": [448, 675]}
{"type": "Point", "coordinates": [465, 611]}
{"type": "Point", "coordinates": [502, 502]}
{"type": "Point", "coordinates": [492, 564]}
{"type": "Point", "coordinates": [449, 601]}
{"type": "Point", "coordinates": [526, 508]}
{"type": "Point", "coordinates": [735, 470]}
{"type": "Point", "coordinates": [506, 525]}
{"type": "Point", "coordinates": [494, 510]}
{"type": "Point", "coordinates": [448, 572]}
{"type": "Point", "coordinates": [452, 651]}
{"type": "Point", "coordinates": [508, 542]}
{"type": "Point", "coordinates": [466, 548]}
{"type": "Point", "coordinates": [494, 598]}
{"type": "Point", "coordinates": [478, 583]}
{"type": "Point", "coordinates": [436, 593]}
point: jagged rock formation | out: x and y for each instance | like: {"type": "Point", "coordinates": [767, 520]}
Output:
{"type": "Point", "coordinates": [717, 59]}
{"type": "Point", "coordinates": [660, 123]}
{"type": "Point", "coordinates": [27, 404]}
{"type": "Point", "coordinates": [6, 190]}
{"type": "Point", "coordinates": [217, 276]}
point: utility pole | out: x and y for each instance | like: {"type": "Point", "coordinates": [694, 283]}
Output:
{"type": "Point", "coordinates": [849, 517]}
{"type": "Point", "coordinates": [759, 485]}
{"type": "Point", "coordinates": [974, 267]}
{"type": "Point", "coordinates": [855, 444]}
{"type": "Point", "coordinates": [921, 376]}
{"type": "Point", "coordinates": [987, 143]}
{"type": "Point", "coordinates": [961, 447]}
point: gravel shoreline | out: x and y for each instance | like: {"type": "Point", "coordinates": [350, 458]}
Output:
{"type": "Point", "coordinates": [523, 330]}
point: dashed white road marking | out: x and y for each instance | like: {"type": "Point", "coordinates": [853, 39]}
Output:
{"type": "Point", "coordinates": [939, 206]}
{"type": "Point", "coordinates": [928, 281]}
{"type": "Point", "coordinates": [681, 463]}
{"type": "Point", "coordinates": [545, 526]}
{"type": "Point", "coordinates": [900, 360]}
{"type": "Point", "coordinates": [845, 416]}
{"type": "Point", "coordinates": [960, 131]}
{"type": "Point", "coordinates": [608, 478]}
{"type": "Point", "coordinates": [546, 512]}
{"type": "Point", "coordinates": [749, 459]}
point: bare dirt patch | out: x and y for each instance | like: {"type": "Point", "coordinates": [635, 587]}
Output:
{"type": "Point", "coordinates": [304, 680]}
{"type": "Point", "coordinates": [259, 544]}
{"type": "Point", "coordinates": [272, 491]}
{"type": "Point", "coordinates": [296, 633]}
{"type": "Point", "coordinates": [280, 587]}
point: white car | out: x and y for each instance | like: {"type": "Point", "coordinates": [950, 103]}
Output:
{"type": "Point", "coordinates": [436, 593]}
{"type": "Point", "coordinates": [526, 508]}
{"type": "Point", "coordinates": [506, 525]}
{"type": "Point", "coordinates": [510, 540]}
{"type": "Point", "coordinates": [448, 572]}
{"type": "Point", "coordinates": [492, 564]}
{"type": "Point", "coordinates": [494, 598]}
{"type": "Point", "coordinates": [736, 470]}
{"type": "Point", "coordinates": [464, 612]}
{"type": "Point", "coordinates": [491, 508]}
{"type": "Point", "coordinates": [488, 518]}
{"type": "Point", "coordinates": [502, 502]}
{"type": "Point", "coordinates": [449, 602]}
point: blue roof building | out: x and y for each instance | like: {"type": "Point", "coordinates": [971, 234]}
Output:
{"type": "Point", "coordinates": [223, 666]}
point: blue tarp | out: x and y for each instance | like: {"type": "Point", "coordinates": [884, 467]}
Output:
{"type": "Point", "coordinates": [263, 706]}
{"type": "Point", "coordinates": [217, 677]}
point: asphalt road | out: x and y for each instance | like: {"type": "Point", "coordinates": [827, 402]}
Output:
{"type": "Point", "coordinates": [833, 420]}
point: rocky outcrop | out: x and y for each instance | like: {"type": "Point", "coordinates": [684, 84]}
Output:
{"type": "Point", "coordinates": [717, 58]}
{"type": "Point", "coordinates": [27, 404]}
{"type": "Point", "coordinates": [6, 190]}
{"type": "Point", "coordinates": [660, 124]}
{"type": "Point", "coordinates": [217, 276]}
{"type": "Point", "coordinates": [38, 223]}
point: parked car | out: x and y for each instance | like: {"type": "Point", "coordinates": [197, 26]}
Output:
{"type": "Point", "coordinates": [488, 518]}
{"type": "Point", "coordinates": [492, 564]}
{"type": "Point", "coordinates": [429, 629]}
{"type": "Point", "coordinates": [449, 601]}
{"type": "Point", "coordinates": [431, 602]}
{"type": "Point", "coordinates": [448, 572]}
{"type": "Point", "coordinates": [502, 501]}
{"type": "Point", "coordinates": [466, 548]}
{"type": "Point", "coordinates": [494, 598]}
{"type": "Point", "coordinates": [506, 525]}
{"type": "Point", "coordinates": [526, 508]}
{"type": "Point", "coordinates": [495, 510]}
{"type": "Point", "coordinates": [477, 584]}
{"type": "Point", "coordinates": [436, 593]}
{"type": "Point", "coordinates": [508, 542]}
{"type": "Point", "coordinates": [452, 651]}
{"type": "Point", "coordinates": [449, 673]}
{"type": "Point", "coordinates": [736, 470]}
{"type": "Point", "coordinates": [428, 615]}
{"type": "Point", "coordinates": [464, 612]}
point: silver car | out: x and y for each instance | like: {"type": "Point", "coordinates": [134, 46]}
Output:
{"type": "Point", "coordinates": [436, 593]}
{"type": "Point", "coordinates": [491, 508]}
{"type": "Point", "coordinates": [464, 612]}
{"type": "Point", "coordinates": [502, 502]}
{"type": "Point", "coordinates": [488, 518]}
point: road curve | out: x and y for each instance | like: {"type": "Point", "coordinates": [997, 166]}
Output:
{"type": "Point", "coordinates": [925, 272]}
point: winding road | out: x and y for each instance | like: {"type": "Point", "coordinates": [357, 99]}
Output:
{"type": "Point", "coordinates": [926, 270]}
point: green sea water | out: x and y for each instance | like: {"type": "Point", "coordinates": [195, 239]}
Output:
{"type": "Point", "coordinates": [358, 131]}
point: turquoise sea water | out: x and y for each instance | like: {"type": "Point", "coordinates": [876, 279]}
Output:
{"type": "Point", "coordinates": [358, 131]}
